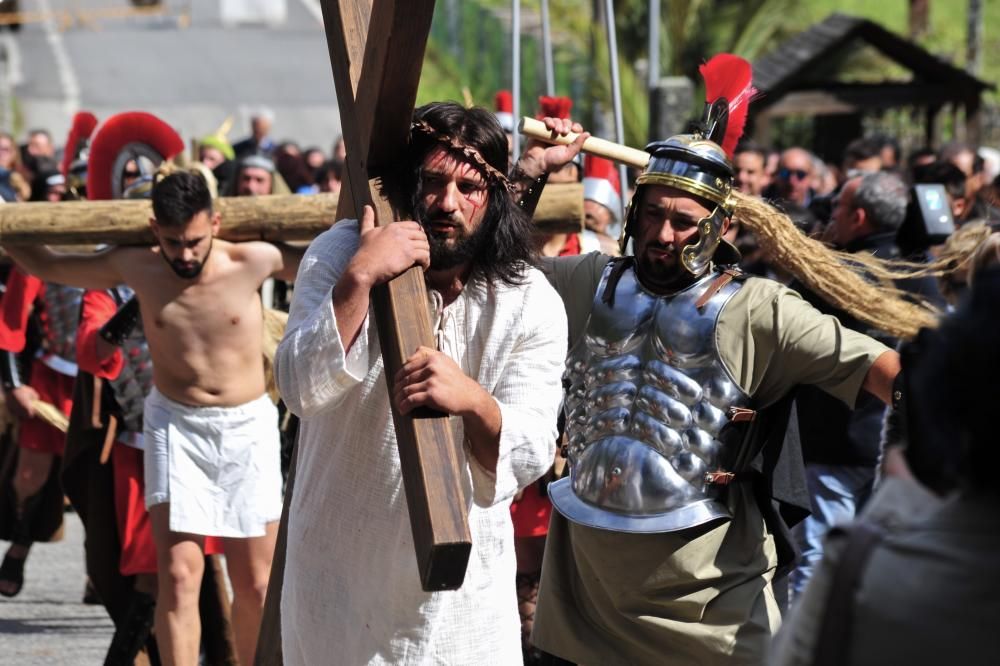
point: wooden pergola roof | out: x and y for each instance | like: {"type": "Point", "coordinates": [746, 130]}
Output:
{"type": "Point", "coordinates": [791, 77]}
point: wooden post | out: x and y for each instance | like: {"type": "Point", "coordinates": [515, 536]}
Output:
{"type": "Point", "coordinates": [269, 639]}
{"type": "Point", "coordinates": [973, 124]}
{"type": "Point", "coordinates": [932, 129]}
{"type": "Point", "coordinates": [377, 88]}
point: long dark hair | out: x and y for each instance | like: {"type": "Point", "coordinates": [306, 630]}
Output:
{"type": "Point", "coordinates": [509, 250]}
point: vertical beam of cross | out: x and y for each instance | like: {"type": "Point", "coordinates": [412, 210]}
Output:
{"type": "Point", "coordinates": [376, 102]}
{"type": "Point", "coordinates": [376, 52]}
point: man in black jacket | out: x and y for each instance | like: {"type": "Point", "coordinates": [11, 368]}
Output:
{"type": "Point", "coordinates": [841, 447]}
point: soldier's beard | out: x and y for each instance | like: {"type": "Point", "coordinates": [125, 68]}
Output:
{"type": "Point", "coordinates": [661, 271]}
{"type": "Point", "coordinates": [187, 270]}
{"type": "Point", "coordinates": [455, 249]}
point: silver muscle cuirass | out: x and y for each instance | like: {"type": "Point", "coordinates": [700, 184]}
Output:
{"type": "Point", "coordinates": [647, 398]}
{"type": "Point", "coordinates": [61, 317]}
{"type": "Point", "coordinates": [135, 381]}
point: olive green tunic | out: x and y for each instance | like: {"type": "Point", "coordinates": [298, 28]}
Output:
{"type": "Point", "coordinates": [701, 596]}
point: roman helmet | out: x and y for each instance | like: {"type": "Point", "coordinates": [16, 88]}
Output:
{"type": "Point", "coordinates": [600, 185]}
{"type": "Point", "coordinates": [699, 162]}
{"type": "Point", "coordinates": [125, 152]}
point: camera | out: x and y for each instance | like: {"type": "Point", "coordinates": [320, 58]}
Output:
{"type": "Point", "coordinates": [928, 219]}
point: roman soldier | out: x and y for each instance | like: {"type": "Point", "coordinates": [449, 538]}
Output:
{"type": "Point", "coordinates": [38, 372]}
{"type": "Point", "coordinates": [669, 527]}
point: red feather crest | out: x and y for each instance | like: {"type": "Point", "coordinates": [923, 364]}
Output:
{"type": "Point", "coordinates": [555, 107]}
{"type": "Point", "coordinates": [83, 126]}
{"type": "Point", "coordinates": [731, 77]}
{"type": "Point", "coordinates": [117, 132]}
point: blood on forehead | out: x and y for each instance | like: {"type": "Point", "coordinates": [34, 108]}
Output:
{"type": "Point", "coordinates": [446, 163]}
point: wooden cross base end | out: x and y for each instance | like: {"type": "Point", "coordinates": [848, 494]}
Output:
{"type": "Point", "coordinates": [428, 456]}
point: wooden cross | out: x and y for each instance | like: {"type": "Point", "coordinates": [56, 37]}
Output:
{"type": "Point", "coordinates": [377, 88]}
{"type": "Point", "coordinates": [376, 51]}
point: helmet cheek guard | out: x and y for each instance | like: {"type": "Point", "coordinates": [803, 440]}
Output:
{"type": "Point", "coordinates": [696, 257]}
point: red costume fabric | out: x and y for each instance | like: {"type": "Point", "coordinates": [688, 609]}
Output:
{"type": "Point", "coordinates": [531, 512]}
{"type": "Point", "coordinates": [135, 530]}
{"type": "Point", "coordinates": [571, 247]}
{"type": "Point", "coordinates": [21, 293]}
{"type": "Point", "coordinates": [98, 307]}
{"type": "Point", "coordinates": [56, 389]}
{"type": "Point", "coordinates": [19, 298]}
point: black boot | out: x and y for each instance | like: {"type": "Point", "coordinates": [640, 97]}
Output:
{"type": "Point", "coordinates": [131, 635]}
{"type": "Point", "coordinates": [12, 569]}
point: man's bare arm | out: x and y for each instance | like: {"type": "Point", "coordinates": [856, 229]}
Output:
{"type": "Point", "coordinates": [95, 270]}
{"type": "Point", "coordinates": [291, 256]}
{"type": "Point", "coordinates": [881, 376]}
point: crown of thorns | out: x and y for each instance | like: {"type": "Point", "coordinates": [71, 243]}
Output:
{"type": "Point", "coordinates": [468, 151]}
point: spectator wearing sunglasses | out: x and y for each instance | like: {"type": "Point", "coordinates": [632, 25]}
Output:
{"type": "Point", "coordinates": [793, 180]}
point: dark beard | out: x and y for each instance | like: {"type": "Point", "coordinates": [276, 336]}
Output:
{"type": "Point", "coordinates": [661, 279]}
{"type": "Point", "coordinates": [465, 248]}
{"type": "Point", "coordinates": [187, 273]}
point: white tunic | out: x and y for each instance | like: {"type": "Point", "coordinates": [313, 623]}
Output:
{"type": "Point", "coordinates": [352, 592]}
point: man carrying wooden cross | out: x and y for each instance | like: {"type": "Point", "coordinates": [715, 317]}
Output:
{"type": "Point", "coordinates": [352, 586]}
{"type": "Point", "coordinates": [211, 433]}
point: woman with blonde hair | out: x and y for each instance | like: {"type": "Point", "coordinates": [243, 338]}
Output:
{"type": "Point", "coordinates": [13, 185]}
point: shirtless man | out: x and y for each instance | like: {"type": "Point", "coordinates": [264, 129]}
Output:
{"type": "Point", "coordinates": [211, 433]}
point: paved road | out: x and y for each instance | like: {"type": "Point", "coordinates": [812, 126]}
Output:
{"type": "Point", "coordinates": [193, 76]}
{"type": "Point", "coordinates": [47, 624]}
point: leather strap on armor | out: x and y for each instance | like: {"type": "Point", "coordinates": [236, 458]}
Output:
{"type": "Point", "coordinates": [10, 372]}
{"type": "Point", "coordinates": [718, 283]}
{"type": "Point", "coordinates": [116, 329]}
{"type": "Point", "coordinates": [618, 266]}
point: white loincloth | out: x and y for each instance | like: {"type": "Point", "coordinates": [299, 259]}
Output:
{"type": "Point", "coordinates": [218, 467]}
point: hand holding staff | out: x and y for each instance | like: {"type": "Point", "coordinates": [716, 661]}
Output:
{"type": "Point", "coordinates": [633, 157]}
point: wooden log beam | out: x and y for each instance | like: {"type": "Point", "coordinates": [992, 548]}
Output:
{"type": "Point", "coordinates": [560, 209]}
{"type": "Point", "coordinates": [279, 217]}
{"type": "Point", "coordinates": [271, 218]}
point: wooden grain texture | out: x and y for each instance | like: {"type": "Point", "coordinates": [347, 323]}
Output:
{"type": "Point", "coordinates": [560, 209]}
{"type": "Point", "coordinates": [358, 35]}
{"type": "Point", "coordinates": [376, 131]}
{"type": "Point", "coordinates": [273, 218]}
{"type": "Point", "coordinates": [269, 640]}
{"type": "Point", "coordinates": [427, 452]}
{"type": "Point", "coordinates": [632, 157]}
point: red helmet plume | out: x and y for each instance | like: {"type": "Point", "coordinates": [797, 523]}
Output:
{"type": "Point", "coordinates": [555, 107]}
{"type": "Point", "coordinates": [83, 126]}
{"type": "Point", "coordinates": [729, 77]}
{"type": "Point", "coordinates": [122, 137]}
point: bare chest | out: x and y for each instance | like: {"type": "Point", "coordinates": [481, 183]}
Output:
{"type": "Point", "coordinates": [224, 314]}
